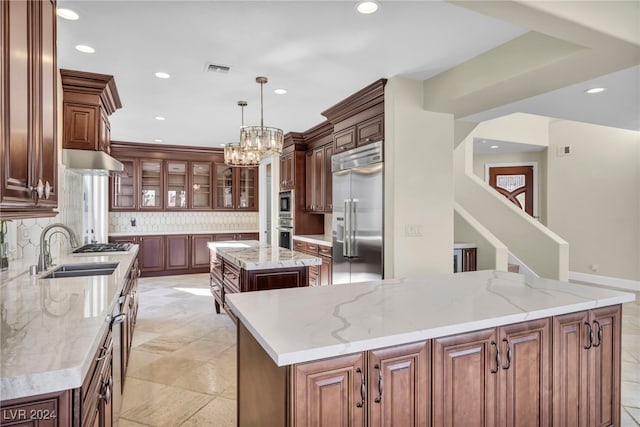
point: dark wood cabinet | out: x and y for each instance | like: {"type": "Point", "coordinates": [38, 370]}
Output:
{"type": "Point", "coordinates": [496, 376]}
{"type": "Point", "coordinates": [200, 251]}
{"type": "Point", "coordinates": [151, 254]}
{"type": "Point", "coordinates": [95, 394]}
{"type": "Point", "coordinates": [178, 252]}
{"type": "Point", "coordinates": [28, 142]}
{"type": "Point", "coordinates": [177, 184]}
{"type": "Point", "coordinates": [319, 275]}
{"type": "Point", "coordinates": [399, 385]}
{"type": "Point", "coordinates": [328, 179]}
{"type": "Point", "coordinates": [330, 392]}
{"type": "Point", "coordinates": [357, 135]}
{"type": "Point", "coordinates": [123, 194]}
{"type": "Point", "coordinates": [287, 171]}
{"type": "Point", "coordinates": [200, 185]}
{"type": "Point", "coordinates": [235, 188]}
{"type": "Point", "coordinates": [46, 410]}
{"type": "Point", "coordinates": [315, 196]}
{"type": "Point", "coordinates": [88, 101]}
{"type": "Point", "coordinates": [151, 184]}
{"type": "Point", "coordinates": [586, 367]}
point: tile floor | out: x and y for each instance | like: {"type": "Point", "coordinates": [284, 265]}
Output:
{"type": "Point", "coordinates": [182, 369]}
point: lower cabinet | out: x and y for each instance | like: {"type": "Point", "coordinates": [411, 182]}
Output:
{"type": "Point", "coordinates": [498, 376]}
{"type": "Point", "coordinates": [319, 275]}
{"type": "Point", "coordinates": [45, 410]}
{"type": "Point", "coordinates": [586, 366]}
{"type": "Point", "coordinates": [162, 255]}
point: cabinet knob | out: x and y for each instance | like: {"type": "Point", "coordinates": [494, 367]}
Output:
{"type": "Point", "coordinates": [38, 189]}
{"type": "Point", "coordinates": [47, 190]}
{"type": "Point", "coordinates": [493, 371]}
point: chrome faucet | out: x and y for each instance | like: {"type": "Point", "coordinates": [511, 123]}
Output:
{"type": "Point", "coordinates": [44, 259]}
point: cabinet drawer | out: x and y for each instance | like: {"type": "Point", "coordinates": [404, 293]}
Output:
{"type": "Point", "coordinates": [299, 246]}
{"type": "Point", "coordinates": [345, 139]}
{"type": "Point", "coordinates": [371, 130]}
{"type": "Point", "coordinates": [324, 250]}
{"type": "Point", "coordinates": [231, 277]}
{"type": "Point", "coordinates": [312, 248]}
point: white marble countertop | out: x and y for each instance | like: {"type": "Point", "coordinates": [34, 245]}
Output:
{"type": "Point", "coordinates": [172, 233]}
{"type": "Point", "coordinates": [251, 255]}
{"type": "Point", "coordinates": [342, 319]}
{"type": "Point", "coordinates": [51, 327]}
{"type": "Point", "coordinates": [318, 239]}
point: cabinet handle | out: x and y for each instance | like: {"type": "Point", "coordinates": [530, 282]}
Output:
{"type": "Point", "coordinates": [379, 398]}
{"type": "Point", "coordinates": [47, 190]}
{"type": "Point", "coordinates": [588, 346]}
{"type": "Point", "coordinates": [119, 318]}
{"type": "Point", "coordinates": [508, 354]}
{"type": "Point", "coordinates": [105, 352]}
{"type": "Point", "coordinates": [599, 333]}
{"type": "Point", "coordinates": [363, 389]}
{"type": "Point", "coordinates": [493, 371]}
{"type": "Point", "coordinates": [106, 395]}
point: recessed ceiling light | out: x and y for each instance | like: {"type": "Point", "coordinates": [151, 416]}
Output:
{"type": "Point", "coordinates": [367, 7]}
{"type": "Point", "coordinates": [85, 49]}
{"type": "Point", "coordinates": [157, 140]}
{"type": "Point", "coordinates": [280, 91]}
{"type": "Point", "coordinates": [495, 146]}
{"type": "Point", "coordinates": [159, 118]}
{"type": "Point", "coordinates": [162, 75]}
{"type": "Point", "coordinates": [595, 90]}
{"type": "Point", "coordinates": [223, 144]}
{"type": "Point", "coordinates": [67, 14]}
{"type": "Point", "coordinates": [483, 141]}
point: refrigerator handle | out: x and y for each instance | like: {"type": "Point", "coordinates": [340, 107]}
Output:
{"type": "Point", "coordinates": [347, 229]}
{"type": "Point", "coordinates": [353, 227]}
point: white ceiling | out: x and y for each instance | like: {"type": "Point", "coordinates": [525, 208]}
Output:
{"type": "Point", "coordinates": [319, 51]}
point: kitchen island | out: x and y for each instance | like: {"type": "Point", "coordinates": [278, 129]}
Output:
{"type": "Point", "coordinates": [461, 349]}
{"type": "Point", "coordinates": [65, 341]}
{"type": "Point", "coordinates": [244, 266]}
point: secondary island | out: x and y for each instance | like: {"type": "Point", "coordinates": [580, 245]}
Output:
{"type": "Point", "coordinates": [478, 348]}
{"type": "Point", "coordinates": [244, 266]}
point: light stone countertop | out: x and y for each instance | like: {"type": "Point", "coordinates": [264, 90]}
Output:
{"type": "Point", "coordinates": [251, 255]}
{"type": "Point", "coordinates": [342, 319]}
{"type": "Point", "coordinates": [172, 233]}
{"type": "Point", "coordinates": [318, 239]}
{"type": "Point", "coordinates": [51, 327]}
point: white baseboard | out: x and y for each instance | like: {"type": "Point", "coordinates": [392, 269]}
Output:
{"type": "Point", "coordinates": [613, 282]}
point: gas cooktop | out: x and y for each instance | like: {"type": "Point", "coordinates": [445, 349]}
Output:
{"type": "Point", "coordinates": [103, 247]}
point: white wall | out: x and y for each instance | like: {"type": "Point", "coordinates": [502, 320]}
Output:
{"type": "Point", "coordinates": [594, 197]}
{"type": "Point", "coordinates": [418, 183]}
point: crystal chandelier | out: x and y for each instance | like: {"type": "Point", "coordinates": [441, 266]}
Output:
{"type": "Point", "coordinates": [235, 156]}
{"type": "Point", "coordinates": [265, 140]}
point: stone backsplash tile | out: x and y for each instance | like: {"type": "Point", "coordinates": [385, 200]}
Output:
{"type": "Point", "coordinates": [177, 222]}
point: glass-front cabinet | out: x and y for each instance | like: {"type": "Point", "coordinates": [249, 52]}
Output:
{"type": "Point", "coordinates": [201, 185]}
{"type": "Point", "coordinates": [177, 185]}
{"type": "Point", "coordinates": [151, 185]}
{"type": "Point", "coordinates": [123, 187]}
{"type": "Point", "coordinates": [236, 188]}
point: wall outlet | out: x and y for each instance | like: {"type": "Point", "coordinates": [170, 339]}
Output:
{"type": "Point", "coordinates": [564, 150]}
{"type": "Point", "coordinates": [413, 230]}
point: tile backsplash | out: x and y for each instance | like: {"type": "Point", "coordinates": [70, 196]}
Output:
{"type": "Point", "coordinates": [177, 222]}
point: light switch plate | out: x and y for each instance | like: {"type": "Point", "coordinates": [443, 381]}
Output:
{"type": "Point", "coordinates": [413, 230]}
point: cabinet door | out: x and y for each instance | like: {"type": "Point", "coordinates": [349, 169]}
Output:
{"type": "Point", "coordinates": [328, 179]}
{"type": "Point", "coordinates": [344, 139]}
{"type": "Point", "coordinates": [151, 253]}
{"type": "Point", "coordinates": [177, 252]}
{"type": "Point", "coordinates": [465, 379]}
{"type": "Point", "coordinates": [223, 237]}
{"type": "Point", "coordinates": [318, 178]}
{"type": "Point", "coordinates": [287, 171]}
{"type": "Point", "coordinates": [570, 405]}
{"type": "Point", "coordinates": [151, 185]}
{"type": "Point", "coordinates": [604, 367]}
{"type": "Point", "coordinates": [200, 250]}
{"type": "Point", "coordinates": [123, 189]}
{"type": "Point", "coordinates": [399, 386]}
{"type": "Point", "coordinates": [330, 392]}
{"type": "Point", "coordinates": [310, 191]}
{"type": "Point", "coordinates": [325, 271]}
{"type": "Point", "coordinates": [247, 236]}
{"type": "Point", "coordinates": [283, 172]}
{"type": "Point", "coordinates": [223, 178]}
{"type": "Point", "coordinates": [247, 189]}
{"type": "Point", "coordinates": [177, 184]}
{"type": "Point", "coordinates": [524, 386]}
{"type": "Point", "coordinates": [201, 185]}
{"type": "Point", "coordinates": [371, 130]}
{"type": "Point", "coordinates": [104, 140]}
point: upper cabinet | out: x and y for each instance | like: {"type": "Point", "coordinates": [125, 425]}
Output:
{"type": "Point", "coordinates": [318, 194]}
{"type": "Point", "coordinates": [124, 188]}
{"type": "Point", "coordinates": [151, 188]}
{"type": "Point", "coordinates": [236, 188]}
{"type": "Point", "coordinates": [292, 162]}
{"type": "Point", "coordinates": [28, 136]}
{"type": "Point", "coordinates": [88, 101]}
{"type": "Point", "coordinates": [359, 119]}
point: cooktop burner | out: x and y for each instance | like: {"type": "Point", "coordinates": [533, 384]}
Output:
{"type": "Point", "coordinates": [103, 247]}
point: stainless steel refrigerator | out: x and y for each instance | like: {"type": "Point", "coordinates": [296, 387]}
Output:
{"type": "Point", "coordinates": [357, 214]}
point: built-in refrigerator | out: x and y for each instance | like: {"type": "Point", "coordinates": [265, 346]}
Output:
{"type": "Point", "coordinates": [357, 218]}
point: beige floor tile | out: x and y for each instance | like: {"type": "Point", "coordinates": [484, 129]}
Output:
{"type": "Point", "coordinates": [631, 372]}
{"type": "Point", "coordinates": [166, 370]}
{"type": "Point", "coordinates": [140, 337]}
{"type": "Point", "coordinates": [220, 412]}
{"type": "Point", "coordinates": [139, 359]}
{"type": "Point", "coordinates": [631, 394]}
{"type": "Point", "coordinates": [203, 349]}
{"type": "Point", "coordinates": [634, 414]}
{"type": "Point", "coordinates": [159, 405]}
{"type": "Point", "coordinates": [166, 344]}
{"type": "Point", "coordinates": [128, 423]}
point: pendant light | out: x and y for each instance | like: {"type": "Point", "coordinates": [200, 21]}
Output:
{"type": "Point", "coordinates": [235, 156]}
{"type": "Point", "coordinates": [265, 140]}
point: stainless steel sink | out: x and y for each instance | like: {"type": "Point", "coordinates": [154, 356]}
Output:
{"type": "Point", "coordinates": [84, 269]}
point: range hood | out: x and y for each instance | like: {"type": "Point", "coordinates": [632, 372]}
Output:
{"type": "Point", "coordinates": [88, 162]}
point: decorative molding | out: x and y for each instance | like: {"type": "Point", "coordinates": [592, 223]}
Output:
{"type": "Point", "coordinates": [123, 149]}
{"type": "Point", "coordinates": [356, 103]}
{"type": "Point", "coordinates": [102, 86]}
{"type": "Point", "coordinates": [611, 282]}
{"type": "Point", "coordinates": [295, 140]}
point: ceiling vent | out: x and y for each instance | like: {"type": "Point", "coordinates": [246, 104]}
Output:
{"type": "Point", "coordinates": [216, 68]}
